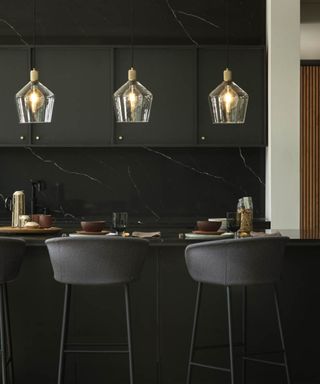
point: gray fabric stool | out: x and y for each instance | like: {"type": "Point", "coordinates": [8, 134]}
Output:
{"type": "Point", "coordinates": [96, 261]}
{"type": "Point", "coordinates": [240, 262]}
{"type": "Point", "coordinates": [11, 256]}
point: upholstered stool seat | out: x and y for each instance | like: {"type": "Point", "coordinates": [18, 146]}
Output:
{"type": "Point", "coordinates": [11, 256]}
{"type": "Point", "coordinates": [240, 262]}
{"type": "Point", "coordinates": [96, 260]}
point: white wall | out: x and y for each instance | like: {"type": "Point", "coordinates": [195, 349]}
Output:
{"type": "Point", "coordinates": [282, 158]}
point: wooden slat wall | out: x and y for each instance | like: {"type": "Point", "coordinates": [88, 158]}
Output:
{"type": "Point", "coordinates": [309, 150]}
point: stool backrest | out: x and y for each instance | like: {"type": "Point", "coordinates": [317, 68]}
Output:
{"type": "Point", "coordinates": [11, 256]}
{"type": "Point", "coordinates": [96, 260]}
{"type": "Point", "coordinates": [237, 262]}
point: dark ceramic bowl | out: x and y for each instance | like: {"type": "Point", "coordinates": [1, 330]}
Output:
{"type": "Point", "coordinates": [93, 226]}
{"type": "Point", "coordinates": [209, 226]}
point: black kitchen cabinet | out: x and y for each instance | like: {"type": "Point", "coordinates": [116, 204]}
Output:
{"type": "Point", "coordinates": [249, 72]}
{"type": "Point", "coordinates": [84, 78]}
{"type": "Point", "coordinates": [14, 74]}
{"type": "Point", "coordinates": [80, 78]}
{"type": "Point", "coordinates": [170, 74]}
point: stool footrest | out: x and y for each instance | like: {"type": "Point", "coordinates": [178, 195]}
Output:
{"type": "Point", "coordinates": [94, 351]}
{"type": "Point", "coordinates": [264, 353]}
{"type": "Point", "coordinates": [210, 366]}
{"type": "Point", "coordinates": [202, 347]}
{"type": "Point", "coordinates": [96, 344]}
{"type": "Point", "coordinates": [263, 361]}
{"type": "Point", "coordinates": [76, 348]}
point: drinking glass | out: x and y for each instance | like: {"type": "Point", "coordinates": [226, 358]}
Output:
{"type": "Point", "coordinates": [119, 221]}
{"type": "Point", "coordinates": [233, 222]}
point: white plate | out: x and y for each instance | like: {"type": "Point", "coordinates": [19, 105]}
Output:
{"type": "Point", "coordinates": [197, 236]}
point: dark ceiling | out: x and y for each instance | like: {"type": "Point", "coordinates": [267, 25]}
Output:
{"type": "Point", "coordinates": [108, 21]}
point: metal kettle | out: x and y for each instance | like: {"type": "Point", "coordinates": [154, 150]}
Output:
{"type": "Point", "coordinates": [16, 204]}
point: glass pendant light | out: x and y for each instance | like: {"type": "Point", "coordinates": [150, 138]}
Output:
{"type": "Point", "coordinates": [228, 102]}
{"type": "Point", "coordinates": [34, 101]}
{"type": "Point", "coordinates": [132, 101]}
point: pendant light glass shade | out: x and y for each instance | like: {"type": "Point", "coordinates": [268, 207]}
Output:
{"type": "Point", "coordinates": [228, 102]}
{"type": "Point", "coordinates": [132, 101]}
{"type": "Point", "coordinates": [34, 101]}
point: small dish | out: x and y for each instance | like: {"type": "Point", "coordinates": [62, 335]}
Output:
{"type": "Point", "coordinates": [196, 236]}
{"type": "Point", "coordinates": [92, 233]}
{"type": "Point", "coordinates": [93, 226]}
{"type": "Point", "coordinates": [198, 232]}
{"type": "Point", "coordinates": [208, 226]}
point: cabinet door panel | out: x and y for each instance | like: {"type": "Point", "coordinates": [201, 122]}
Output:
{"type": "Point", "coordinates": [14, 74]}
{"type": "Point", "coordinates": [80, 78]}
{"type": "Point", "coordinates": [248, 68]}
{"type": "Point", "coordinates": [169, 73]}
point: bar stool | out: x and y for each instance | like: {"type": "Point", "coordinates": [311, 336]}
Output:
{"type": "Point", "coordinates": [240, 262]}
{"type": "Point", "coordinates": [96, 261]}
{"type": "Point", "coordinates": [11, 255]}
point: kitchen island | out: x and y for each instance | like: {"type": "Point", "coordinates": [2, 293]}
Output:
{"type": "Point", "coordinates": [162, 306]}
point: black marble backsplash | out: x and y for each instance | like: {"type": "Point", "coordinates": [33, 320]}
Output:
{"type": "Point", "coordinates": [151, 184]}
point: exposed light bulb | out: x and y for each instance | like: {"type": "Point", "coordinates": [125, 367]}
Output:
{"type": "Point", "coordinates": [132, 98]}
{"type": "Point", "coordinates": [229, 98]}
{"type": "Point", "coordinates": [35, 99]}
{"type": "Point", "coordinates": [228, 102]}
{"type": "Point", "coordinates": [132, 101]}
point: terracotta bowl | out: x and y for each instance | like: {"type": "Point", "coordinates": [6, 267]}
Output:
{"type": "Point", "coordinates": [93, 226]}
{"type": "Point", "coordinates": [209, 226]}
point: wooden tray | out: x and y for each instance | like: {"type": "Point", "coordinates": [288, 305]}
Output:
{"type": "Point", "coordinates": [29, 231]}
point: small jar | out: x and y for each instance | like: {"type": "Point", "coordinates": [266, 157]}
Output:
{"type": "Point", "coordinates": [245, 208]}
{"type": "Point", "coordinates": [23, 219]}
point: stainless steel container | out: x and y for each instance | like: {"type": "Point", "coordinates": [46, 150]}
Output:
{"type": "Point", "coordinates": [17, 207]}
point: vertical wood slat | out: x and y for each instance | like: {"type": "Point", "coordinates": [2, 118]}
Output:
{"type": "Point", "coordinates": [310, 150]}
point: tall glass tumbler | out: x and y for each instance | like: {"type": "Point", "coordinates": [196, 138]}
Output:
{"type": "Point", "coordinates": [119, 221]}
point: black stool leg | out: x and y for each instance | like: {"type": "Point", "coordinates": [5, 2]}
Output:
{"type": "Point", "coordinates": [64, 331]}
{"type": "Point", "coordinates": [194, 329]}
{"type": "Point", "coordinates": [244, 333]}
{"type": "Point", "coordinates": [8, 333]}
{"type": "Point", "coordinates": [276, 300]}
{"type": "Point", "coordinates": [230, 334]}
{"type": "Point", "coordinates": [2, 335]}
{"type": "Point", "coordinates": [128, 317]}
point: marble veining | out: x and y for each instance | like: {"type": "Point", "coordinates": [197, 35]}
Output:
{"type": "Point", "coordinates": [140, 195]}
{"type": "Point", "coordinates": [176, 12]}
{"type": "Point", "coordinates": [249, 168]}
{"type": "Point", "coordinates": [154, 185]}
{"type": "Point", "coordinates": [62, 169]}
{"type": "Point", "coordinates": [196, 170]}
{"type": "Point", "coordinates": [3, 21]}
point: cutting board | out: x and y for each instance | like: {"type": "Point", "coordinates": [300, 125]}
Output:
{"type": "Point", "coordinates": [29, 231]}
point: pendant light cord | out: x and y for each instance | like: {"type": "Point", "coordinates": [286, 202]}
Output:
{"type": "Point", "coordinates": [33, 64]}
{"type": "Point", "coordinates": [132, 31]}
{"type": "Point", "coordinates": [227, 31]}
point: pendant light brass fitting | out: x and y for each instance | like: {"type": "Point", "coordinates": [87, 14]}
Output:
{"type": "Point", "coordinates": [34, 75]}
{"type": "Point", "coordinates": [227, 75]}
{"type": "Point", "coordinates": [132, 74]}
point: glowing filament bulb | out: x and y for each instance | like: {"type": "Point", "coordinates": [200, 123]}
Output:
{"type": "Point", "coordinates": [228, 100]}
{"type": "Point", "coordinates": [34, 99]}
{"type": "Point", "coordinates": [132, 98]}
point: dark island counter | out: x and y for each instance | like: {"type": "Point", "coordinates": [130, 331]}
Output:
{"type": "Point", "coordinates": [162, 305]}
